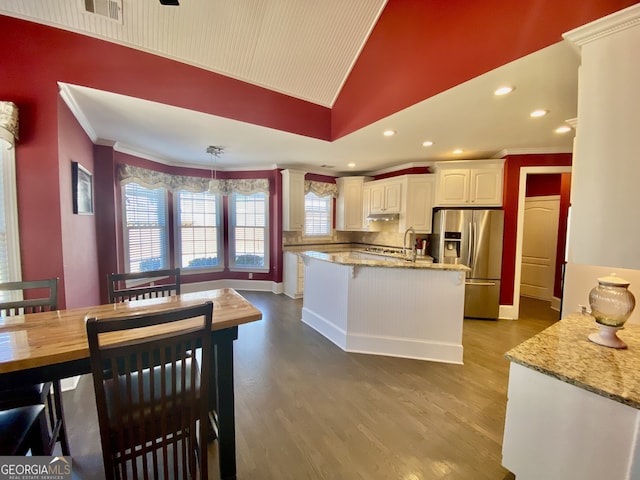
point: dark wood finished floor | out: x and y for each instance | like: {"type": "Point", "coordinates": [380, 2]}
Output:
{"type": "Point", "coordinates": [307, 410]}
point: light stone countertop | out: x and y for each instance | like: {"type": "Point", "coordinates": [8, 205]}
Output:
{"type": "Point", "coordinates": [352, 257]}
{"type": "Point", "coordinates": [563, 351]}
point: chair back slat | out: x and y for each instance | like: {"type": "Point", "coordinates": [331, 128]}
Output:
{"type": "Point", "coordinates": [47, 301]}
{"type": "Point", "coordinates": [124, 287]}
{"type": "Point", "coordinates": [151, 391]}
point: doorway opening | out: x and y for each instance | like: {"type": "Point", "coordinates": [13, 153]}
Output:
{"type": "Point", "coordinates": [524, 172]}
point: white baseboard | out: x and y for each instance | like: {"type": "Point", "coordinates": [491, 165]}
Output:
{"type": "Point", "coordinates": [382, 344]}
{"type": "Point", "coordinates": [555, 303]}
{"type": "Point", "coordinates": [325, 327]}
{"type": "Point", "coordinates": [508, 312]}
{"type": "Point", "coordinates": [251, 285]}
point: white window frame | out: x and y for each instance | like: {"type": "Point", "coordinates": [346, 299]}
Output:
{"type": "Point", "coordinates": [125, 229]}
{"type": "Point", "coordinates": [178, 234]}
{"type": "Point", "coordinates": [232, 235]}
{"type": "Point", "coordinates": [9, 203]}
{"type": "Point", "coordinates": [329, 225]}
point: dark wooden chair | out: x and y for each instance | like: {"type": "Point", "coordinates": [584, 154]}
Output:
{"type": "Point", "coordinates": [151, 392]}
{"type": "Point", "coordinates": [135, 286]}
{"type": "Point", "coordinates": [48, 393]}
{"type": "Point", "coordinates": [20, 431]}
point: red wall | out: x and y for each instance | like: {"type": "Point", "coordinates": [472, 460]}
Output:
{"type": "Point", "coordinates": [421, 48]}
{"type": "Point", "coordinates": [79, 250]}
{"type": "Point", "coordinates": [513, 164]}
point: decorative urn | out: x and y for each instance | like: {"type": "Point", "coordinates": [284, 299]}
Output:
{"type": "Point", "coordinates": [611, 305]}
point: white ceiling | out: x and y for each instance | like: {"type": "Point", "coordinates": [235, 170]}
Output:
{"type": "Point", "coordinates": [306, 51]}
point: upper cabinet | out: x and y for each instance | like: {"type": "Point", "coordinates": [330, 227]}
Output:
{"type": "Point", "coordinates": [417, 203]}
{"type": "Point", "coordinates": [292, 200]}
{"type": "Point", "coordinates": [350, 209]}
{"type": "Point", "coordinates": [386, 196]}
{"type": "Point", "coordinates": [469, 183]}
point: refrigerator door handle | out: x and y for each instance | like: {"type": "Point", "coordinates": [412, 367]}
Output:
{"type": "Point", "coordinates": [472, 245]}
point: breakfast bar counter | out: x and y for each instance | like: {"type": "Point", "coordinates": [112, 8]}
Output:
{"type": "Point", "coordinates": [386, 305]}
{"type": "Point", "coordinates": [573, 407]}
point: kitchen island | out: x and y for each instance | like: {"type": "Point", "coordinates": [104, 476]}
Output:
{"type": "Point", "coordinates": [573, 408]}
{"type": "Point", "coordinates": [386, 305]}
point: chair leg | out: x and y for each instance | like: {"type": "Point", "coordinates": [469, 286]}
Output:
{"type": "Point", "coordinates": [61, 423]}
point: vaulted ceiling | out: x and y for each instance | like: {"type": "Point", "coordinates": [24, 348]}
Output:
{"type": "Point", "coordinates": [345, 56]}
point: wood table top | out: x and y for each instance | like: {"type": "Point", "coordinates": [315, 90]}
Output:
{"type": "Point", "coordinates": [47, 338]}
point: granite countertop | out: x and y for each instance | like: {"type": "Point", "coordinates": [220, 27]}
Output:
{"type": "Point", "coordinates": [353, 258]}
{"type": "Point", "coordinates": [563, 351]}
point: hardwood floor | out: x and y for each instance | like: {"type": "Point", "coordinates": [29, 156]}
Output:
{"type": "Point", "coordinates": [307, 410]}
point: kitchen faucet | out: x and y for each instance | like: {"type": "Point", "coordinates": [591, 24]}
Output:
{"type": "Point", "coordinates": [404, 244]}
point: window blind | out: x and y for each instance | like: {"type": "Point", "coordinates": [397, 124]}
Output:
{"type": "Point", "coordinates": [198, 217]}
{"type": "Point", "coordinates": [249, 225]}
{"type": "Point", "coordinates": [145, 223]}
{"type": "Point", "coordinates": [317, 215]}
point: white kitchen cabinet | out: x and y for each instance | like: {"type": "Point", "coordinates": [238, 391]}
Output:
{"type": "Point", "coordinates": [475, 183]}
{"type": "Point", "coordinates": [349, 204]}
{"type": "Point", "coordinates": [417, 210]}
{"type": "Point", "coordinates": [293, 275]}
{"type": "Point", "coordinates": [292, 200]}
{"type": "Point", "coordinates": [386, 196]}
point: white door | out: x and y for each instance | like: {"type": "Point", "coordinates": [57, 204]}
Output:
{"type": "Point", "coordinates": [540, 238]}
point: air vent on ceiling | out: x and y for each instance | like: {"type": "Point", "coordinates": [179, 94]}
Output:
{"type": "Point", "coordinates": [111, 9]}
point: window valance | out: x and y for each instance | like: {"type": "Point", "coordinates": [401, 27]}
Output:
{"type": "Point", "coordinates": [152, 179]}
{"type": "Point", "coordinates": [321, 189]}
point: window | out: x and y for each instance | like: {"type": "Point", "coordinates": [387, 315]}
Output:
{"type": "Point", "coordinates": [317, 215]}
{"type": "Point", "coordinates": [145, 228]}
{"type": "Point", "coordinates": [248, 220]}
{"type": "Point", "coordinates": [9, 241]}
{"type": "Point", "coordinates": [198, 230]}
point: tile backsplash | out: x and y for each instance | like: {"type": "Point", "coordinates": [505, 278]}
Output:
{"type": "Point", "coordinates": [388, 236]}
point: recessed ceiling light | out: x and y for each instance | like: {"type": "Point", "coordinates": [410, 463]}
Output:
{"type": "Point", "coordinates": [563, 129]}
{"type": "Point", "coordinates": [538, 113]}
{"type": "Point", "coordinates": [503, 90]}
{"type": "Point", "coordinates": [389, 133]}
{"type": "Point", "coordinates": [428, 143]}
{"type": "Point", "coordinates": [458, 151]}
{"type": "Point", "coordinates": [351, 165]}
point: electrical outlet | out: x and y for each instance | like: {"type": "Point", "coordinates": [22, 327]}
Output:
{"type": "Point", "coordinates": [250, 276]}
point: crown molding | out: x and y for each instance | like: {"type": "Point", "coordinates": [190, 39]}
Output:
{"type": "Point", "coordinates": [531, 151]}
{"type": "Point", "coordinates": [603, 27]}
{"type": "Point", "coordinates": [77, 112]}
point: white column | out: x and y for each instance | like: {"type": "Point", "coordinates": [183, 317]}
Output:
{"type": "Point", "coordinates": [604, 229]}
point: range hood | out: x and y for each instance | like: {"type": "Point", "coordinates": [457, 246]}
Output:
{"type": "Point", "coordinates": [383, 217]}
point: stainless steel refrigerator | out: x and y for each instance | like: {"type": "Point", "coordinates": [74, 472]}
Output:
{"type": "Point", "coordinates": [472, 238]}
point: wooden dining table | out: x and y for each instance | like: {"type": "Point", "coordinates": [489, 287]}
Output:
{"type": "Point", "coordinates": [45, 346]}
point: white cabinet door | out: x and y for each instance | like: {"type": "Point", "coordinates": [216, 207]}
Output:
{"type": "Point", "coordinates": [393, 197]}
{"type": "Point", "coordinates": [486, 187]}
{"type": "Point", "coordinates": [349, 214]}
{"type": "Point", "coordinates": [386, 196]}
{"type": "Point", "coordinates": [292, 200]}
{"type": "Point", "coordinates": [453, 187]}
{"type": "Point", "coordinates": [293, 275]}
{"type": "Point", "coordinates": [419, 202]}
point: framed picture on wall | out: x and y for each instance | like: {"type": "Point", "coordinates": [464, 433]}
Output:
{"type": "Point", "coordinates": [82, 182]}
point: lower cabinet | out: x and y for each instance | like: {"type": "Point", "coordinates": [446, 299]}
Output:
{"type": "Point", "coordinates": [293, 275]}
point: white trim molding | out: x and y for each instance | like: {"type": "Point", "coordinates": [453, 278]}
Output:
{"type": "Point", "coordinates": [604, 26]}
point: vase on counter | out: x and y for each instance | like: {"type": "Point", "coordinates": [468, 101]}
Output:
{"type": "Point", "coordinates": [611, 305]}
